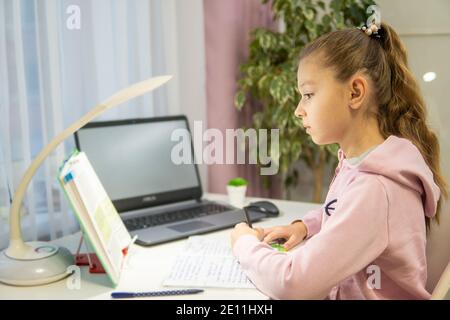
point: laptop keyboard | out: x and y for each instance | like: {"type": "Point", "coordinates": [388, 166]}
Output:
{"type": "Point", "coordinates": [174, 216]}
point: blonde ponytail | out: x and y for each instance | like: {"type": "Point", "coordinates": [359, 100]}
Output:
{"type": "Point", "coordinates": [405, 113]}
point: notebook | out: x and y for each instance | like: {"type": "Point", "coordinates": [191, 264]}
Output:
{"type": "Point", "coordinates": [98, 219]}
{"type": "Point", "coordinates": [207, 262]}
{"type": "Point", "coordinates": [158, 199]}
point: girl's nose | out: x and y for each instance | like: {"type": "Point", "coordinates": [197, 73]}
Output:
{"type": "Point", "coordinates": [299, 111]}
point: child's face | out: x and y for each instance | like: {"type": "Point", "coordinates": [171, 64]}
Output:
{"type": "Point", "coordinates": [324, 104]}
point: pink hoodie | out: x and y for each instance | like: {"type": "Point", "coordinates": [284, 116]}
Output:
{"type": "Point", "coordinates": [367, 241]}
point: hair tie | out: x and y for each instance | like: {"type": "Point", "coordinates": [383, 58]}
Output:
{"type": "Point", "coordinates": [372, 31]}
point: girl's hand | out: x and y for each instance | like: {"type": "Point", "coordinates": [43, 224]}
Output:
{"type": "Point", "coordinates": [293, 234]}
{"type": "Point", "coordinates": [242, 229]}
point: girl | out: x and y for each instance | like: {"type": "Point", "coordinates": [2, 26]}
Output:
{"type": "Point", "coordinates": [368, 240]}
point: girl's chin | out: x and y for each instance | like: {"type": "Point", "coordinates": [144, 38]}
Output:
{"type": "Point", "coordinates": [319, 140]}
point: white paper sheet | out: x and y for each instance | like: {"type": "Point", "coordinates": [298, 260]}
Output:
{"type": "Point", "coordinates": [206, 262]}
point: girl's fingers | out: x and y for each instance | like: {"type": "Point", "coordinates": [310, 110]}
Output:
{"type": "Point", "coordinates": [268, 230]}
{"type": "Point", "coordinates": [240, 224]}
{"type": "Point", "coordinates": [272, 236]}
{"type": "Point", "coordinates": [267, 238]}
{"type": "Point", "coordinates": [273, 233]}
{"type": "Point", "coordinates": [291, 242]}
{"type": "Point", "coordinates": [260, 232]}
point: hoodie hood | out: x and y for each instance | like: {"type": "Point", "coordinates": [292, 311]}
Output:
{"type": "Point", "coordinates": [399, 159]}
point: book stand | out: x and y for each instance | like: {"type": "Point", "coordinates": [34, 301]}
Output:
{"type": "Point", "coordinates": [88, 259]}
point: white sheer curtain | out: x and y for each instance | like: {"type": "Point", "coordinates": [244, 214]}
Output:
{"type": "Point", "coordinates": [51, 75]}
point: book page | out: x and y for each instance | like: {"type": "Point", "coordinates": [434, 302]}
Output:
{"type": "Point", "coordinates": [90, 233]}
{"type": "Point", "coordinates": [106, 222]}
{"type": "Point", "coordinates": [206, 262]}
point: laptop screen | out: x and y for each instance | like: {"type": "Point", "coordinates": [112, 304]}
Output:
{"type": "Point", "coordinates": [133, 160]}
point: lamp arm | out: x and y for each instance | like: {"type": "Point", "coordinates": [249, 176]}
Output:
{"type": "Point", "coordinates": [17, 247]}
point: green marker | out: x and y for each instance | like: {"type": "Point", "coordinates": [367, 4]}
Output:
{"type": "Point", "coordinates": [278, 246]}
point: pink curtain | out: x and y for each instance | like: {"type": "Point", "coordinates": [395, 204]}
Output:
{"type": "Point", "coordinates": [227, 30]}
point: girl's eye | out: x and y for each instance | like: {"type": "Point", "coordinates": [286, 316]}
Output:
{"type": "Point", "coordinates": [307, 96]}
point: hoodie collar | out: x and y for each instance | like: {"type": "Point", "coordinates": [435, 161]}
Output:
{"type": "Point", "coordinates": [399, 159]}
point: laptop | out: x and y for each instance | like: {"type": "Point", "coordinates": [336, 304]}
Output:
{"type": "Point", "coordinates": [158, 199]}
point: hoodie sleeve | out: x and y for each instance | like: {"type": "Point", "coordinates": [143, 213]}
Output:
{"type": "Point", "coordinates": [353, 237]}
{"type": "Point", "coordinates": [313, 221]}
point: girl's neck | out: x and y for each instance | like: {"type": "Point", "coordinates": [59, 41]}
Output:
{"type": "Point", "coordinates": [360, 139]}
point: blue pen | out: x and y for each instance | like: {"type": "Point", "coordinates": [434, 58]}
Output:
{"type": "Point", "coordinates": [118, 295]}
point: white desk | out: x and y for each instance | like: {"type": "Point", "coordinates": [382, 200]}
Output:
{"type": "Point", "coordinates": [147, 267]}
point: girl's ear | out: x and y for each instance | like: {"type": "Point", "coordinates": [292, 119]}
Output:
{"type": "Point", "coordinates": [358, 91]}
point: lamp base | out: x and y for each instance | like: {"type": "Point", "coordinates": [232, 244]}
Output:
{"type": "Point", "coordinates": [32, 272]}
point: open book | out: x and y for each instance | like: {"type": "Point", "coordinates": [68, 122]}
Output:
{"type": "Point", "coordinates": [96, 214]}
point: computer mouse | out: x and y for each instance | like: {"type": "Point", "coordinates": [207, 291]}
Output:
{"type": "Point", "coordinates": [266, 207]}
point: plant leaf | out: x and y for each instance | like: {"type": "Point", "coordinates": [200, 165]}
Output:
{"type": "Point", "coordinates": [239, 100]}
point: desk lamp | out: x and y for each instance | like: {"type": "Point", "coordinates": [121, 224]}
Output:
{"type": "Point", "coordinates": [36, 263]}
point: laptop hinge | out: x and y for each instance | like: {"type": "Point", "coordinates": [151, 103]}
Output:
{"type": "Point", "coordinates": [159, 208]}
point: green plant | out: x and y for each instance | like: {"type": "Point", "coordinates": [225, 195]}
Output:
{"type": "Point", "coordinates": [269, 77]}
{"type": "Point", "coordinates": [237, 182]}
